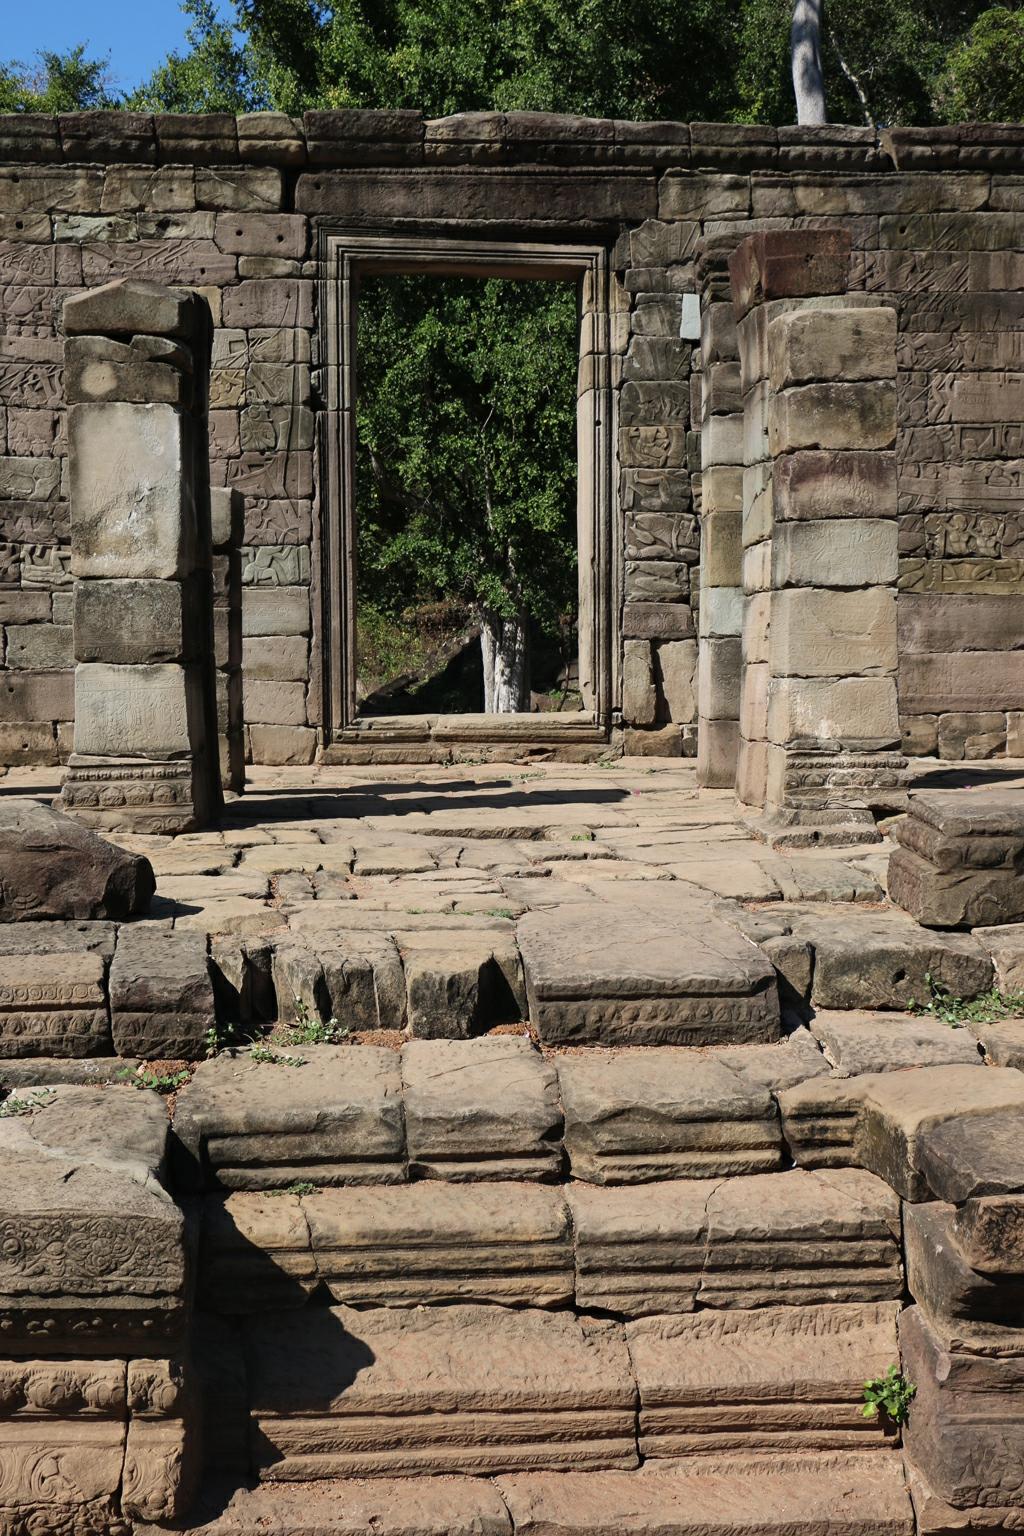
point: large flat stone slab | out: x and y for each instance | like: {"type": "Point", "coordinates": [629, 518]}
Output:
{"type": "Point", "coordinates": [647, 968]}
{"type": "Point", "coordinates": [851, 1495]}
{"type": "Point", "coordinates": [639, 1250]}
{"type": "Point", "coordinates": [93, 1254]}
{"type": "Point", "coordinates": [55, 868]}
{"type": "Point", "coordinates": [857, 1042]}
{"type": "Point", "coordinates": [335, 1119]}
{"type": "Point", "coordinates": [481, 1109]}
{"type": "Point", "coordinates": [660, 1113]}
{"type": "Point", "coordinates": [776, 1379]}
{"type": "Point", "coordinates": [337, 1392]}
{"type": "Point", "coordinates": [352, 1506]}
{"type": "Point", "coordinates": [802, 1238]}
{"type": "Point", "coordinates": [966, 1431]}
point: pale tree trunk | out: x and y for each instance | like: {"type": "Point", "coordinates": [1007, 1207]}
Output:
{"type": "Point", "coordinates": [505, 647]}
{"type": "Point", "coordinates": [805, 45]}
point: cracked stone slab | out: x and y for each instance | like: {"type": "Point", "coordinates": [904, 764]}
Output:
{"type": "Point", "coordinates": [858, 1042]}
{"type": "Point", "coordinates": [640, 1250]}
{"type": "Point", "coordinates": [481, 1109]}
{"type": "Point", "coordinates": [660, 1113]}
{"type": "Point", "coordinates": [334, 1119]}
{"type": "Point", "coordinates": [776, 1379]}
{"type": "Point", "coordinates": [460, 1389]}
{"type": "Point", "coordinates": [851, 1495]}
{"type": "Point", "coordinates": [802, 1238]}
{"type": "Point", "coordinates": [94, 1249]}
{"type": "Point", "coordinates": [653, 966]}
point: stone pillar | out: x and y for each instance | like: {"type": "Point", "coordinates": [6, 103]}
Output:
{"type": "Point", "coordinates": [136, 369]}
{"type": "Point", "coordinates": [226, 518]}
{"type": "Point", "coordinates": [819, 722]}
{"type": "Point", "coordinates": [720, 608]}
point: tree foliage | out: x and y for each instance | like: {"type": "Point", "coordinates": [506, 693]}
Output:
{"type": "Point", "coordinates": [983, 78]}
{"type": "Point", "coordinates": [56, 82]}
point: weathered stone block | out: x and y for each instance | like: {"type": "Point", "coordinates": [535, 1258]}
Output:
{"type": "Point", "coordinates": [131, 307]}
{"type": "Point", "coordinates": [961, 898]}
{"type": "Point", "coordinates": [832, 416]}
{"type": "Point", "coordinates": [963, 1304]}
{"type": "Point", "coordinates": [811, 485]}
{"type": "Point", "coordinates": [831, 344]}
{"type": "Point", "coordinates": [161, 994]}
{"type": "Point", "coordinates": [861, 709]}
{"type": "Point", "coordinates": [132, 511]}
{"type": "Point", "coordinates": [481, 1109]}
{"type": "Point", "coordinates": [780, 264]}
{"type": "Point", "coordinates": [135, 711]}
{"type": "Point", "coordinates": [854, 552]}
{"type": "Point", "coordinates": [39, 646]}
{"type": "Point", "coordinates": [818, 633]}
{"type": "Point", "coordinates": [54, 868]}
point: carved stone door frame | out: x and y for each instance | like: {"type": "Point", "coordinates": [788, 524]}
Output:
{"type": "Point", "coordinates": [343, 258]}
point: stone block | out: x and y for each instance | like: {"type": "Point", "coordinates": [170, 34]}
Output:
{"type": "Point", "coordinates": [334, 1119]}
{"type": "Point", "coordinates": [639, 695]}
{"type": "Point", "coordinates": [657, 621]}
{"type": "Point", "coordinates": [163, 1453]}
{"type": "Point", "coordinates": [963, 1304]}
{"type": "Point", "coordinates": [161, 994]}
{"type": "Point", "coordinates": [782, 264]}
{"type": "Point", "coordinates": [438, 1389]}
{"type": "Point", "coordinates": [282, 745]}
{"type": "Point", "coordinates": [1005, 944]}
{"type": "Point", "coordinates": [801, 1238]}
{"type": "Point", "coordinates": [276, 611]}
{"type": "Point", "coordinates": [269, 302]}
{"type": "Point", "coordinates": [809, 485]}
{"type": "Point", "coordinates": [99, 1265]}
{"type": "Point", "coordinates": [989, 1232]}
{"type": "Point", "coordinates": [837, 345]}
{"type": "Point", "coordinates": [39, 646]}
{"type": "Point", "coordinates": [819, 633]}
{"type": "Point", "coordinates": [859, 552]}
{"type": "Point", "coordinates": [632, 1116]}
{"type": "Point", "coordinates": [691, 1497]}
{"type": "Point", "coordinates": [675, 671]}
{"type": "Point", "coordinates": [648, 968]}
{"type": "Point", "coordinates": [901, 1136]}
{"type": "Point", "coordinates": [135, 711]}
{"type": "Point", "coordinates": [854, 709]}
{"type": "Point", "coordinates": [256, 1254]}
{"type": "Point", "coordinates": [130, 307]}
{"type": "Point", "coordinates": [131, 623]}
{"type": "Point", "coordinates": [966, 1158]}
{"type": "Point", "coordinates": [960, 898]}
{"type": "Point", "coordinates": [856, 1041]}
{"type": "Point", "coordinates": [268, 703]}
{"type": "Point", "coordinates": [53, 1005]}
{"type": "Point", "coordinates": [964, 1433]}
{"type": "Point", "coordinates": [832, 416]}
{"type": "Point", "coordinates": [639, 1250]}
{"type": "Point", "coordinates": [277, 658]}
{"type": "Point", "coordinates": [429, 1242]}
{"type": "Point", "coordinates": [481, 1109]}
{"type": "Point", "coordinates": [881, 959]}
{"type": "Point", "coordinates": [965, 681]}
{"type": "Point", "coordinates": [456, 984]}
{"type": "Point", "coordinates": [778, 1379]}
{"type": "Point", "coordinates": [132, 516]}
{"type": "Point", "coordinates": [970, 737]}
{"type": "Point", "coordinates": [54, 868]}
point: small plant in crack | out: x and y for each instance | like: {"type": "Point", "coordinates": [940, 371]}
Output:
{"type": "Point", "coordinates": [265, 1055]}
{"type": "Point", "coordinates": [944, 1005]}
{"type": "Point", "coordinates": [889, 1396]}
{"type": "Point", "coordinates": [15, 1104]}
{"type": "Point", "coordinates": [309, 1030]}
{"type": "Point", "coordinates": [160, 1082]}
{"type": "Point", "coordinates": [300, 1187]}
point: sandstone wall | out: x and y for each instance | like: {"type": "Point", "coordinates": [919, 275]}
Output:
{"type": "Point", "coordinates": [236, 208]}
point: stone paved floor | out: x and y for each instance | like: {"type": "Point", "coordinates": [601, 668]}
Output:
{"type": "Point", "coordinates": [487, 840]}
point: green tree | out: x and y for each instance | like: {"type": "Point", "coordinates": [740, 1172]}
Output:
{"type": "Point", "coordinates": [466, 459]}
{"type": "Point", "coordinates": [56, 82]}
{"type": "Point", "coordinates": [217, 73]}
{"type": "Point", "coordinates": [983, 78]}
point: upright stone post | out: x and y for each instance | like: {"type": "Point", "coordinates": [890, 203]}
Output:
{"type": "Point", "coordinates": [819, 725]}
{"type": "Point", "coordinates": [145, 753]}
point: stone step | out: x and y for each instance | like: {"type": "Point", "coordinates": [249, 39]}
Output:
{"type": "Point", "coordinates": [796, 1237]}
{"type": "Point", "coordinates": [852, 1494]}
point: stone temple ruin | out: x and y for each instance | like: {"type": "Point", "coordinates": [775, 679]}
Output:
{"type": "Point", "coordinates": [541, 1125]}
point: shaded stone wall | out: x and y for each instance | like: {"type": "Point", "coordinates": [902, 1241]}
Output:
{"type": "Point", "coordinates": [236, 207]}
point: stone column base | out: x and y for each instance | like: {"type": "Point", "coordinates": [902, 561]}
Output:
{"type": "Point", "coordinates": [132, 795]}
{"type": "Point", "coordinates": [829, 797]}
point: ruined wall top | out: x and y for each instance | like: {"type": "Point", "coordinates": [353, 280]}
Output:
{"type": "Point", "coordinates": [405, 138]}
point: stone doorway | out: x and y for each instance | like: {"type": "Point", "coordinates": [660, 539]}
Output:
{"type": "Point", "coordinates": [345, 261]}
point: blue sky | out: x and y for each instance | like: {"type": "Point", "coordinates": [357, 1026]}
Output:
{"type": "Point", "coordinates": [137, 34]}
